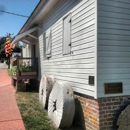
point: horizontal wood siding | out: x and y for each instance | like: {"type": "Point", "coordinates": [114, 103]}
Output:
{"type": "Point", "coordinates": [113, 44]}
{"type": "Point", "coordinates": [77, 66]}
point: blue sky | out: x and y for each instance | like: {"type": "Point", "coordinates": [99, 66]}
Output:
{"type": "Point", "coordinates": [10, 23]}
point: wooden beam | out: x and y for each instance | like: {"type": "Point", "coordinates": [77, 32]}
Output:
{"type": "Point", "coordinates": [26, 41]}
{"type": "Point", "coordinates": [22, 35]}
{"type": "Point", "coordinates": [32, 36]}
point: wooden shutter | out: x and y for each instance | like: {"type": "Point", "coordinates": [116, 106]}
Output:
{"type": "Point", "coordinates": [48, 44]}
{"type": "Point", "coordinates": [67, 34]}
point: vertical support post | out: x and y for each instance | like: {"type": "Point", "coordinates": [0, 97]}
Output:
{"type": "Point", "coordinates": [18, 65]}
{"type": "Point", "coordinates": [9, 62]}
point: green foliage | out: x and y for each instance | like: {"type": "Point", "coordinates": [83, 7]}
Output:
{"type": "Point", "coordinates": [24, 68]}
{"type": "Point", "coordinates": [9, 72]}
{"type": "Point", "coordinates": [2, 45]}
{"type": "Point", "coordinates": [17, 49]}
{"type": "Point", "coordinates": [14, 69]}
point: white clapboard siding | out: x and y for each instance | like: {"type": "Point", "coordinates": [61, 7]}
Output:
{"type": "Point", "coordinates": [74, 75]}
{"type": "Point", "coordinates": [89, 34]}
{"type": "Point", "coordinates": [83, 31]}
{"type": "Point", "coordinates": [113, 45]}
{"type": "Point", "coordinates": [69, 62]}
{"type": "Point", "coordinates": [114, 65]}
{"type": "Point", "coordinates": [84, 41]}
{"type": "Point", "coordinates": [76, 67]}
{"type": "Point", "coordinates": [83, 9]}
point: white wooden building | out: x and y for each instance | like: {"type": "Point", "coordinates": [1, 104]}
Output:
{"type": "Point", "coordinates": [85, 43]}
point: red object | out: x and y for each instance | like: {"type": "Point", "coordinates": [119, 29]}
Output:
{"type": "Point", "coordinates": [6, 55]}
{"type": "Point", "coordinates": [6, 46]}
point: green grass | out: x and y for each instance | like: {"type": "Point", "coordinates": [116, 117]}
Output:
{"type": "Point", "coordinates": [32, 112]}
{"type": "Point", "coordinates": [9, 72]}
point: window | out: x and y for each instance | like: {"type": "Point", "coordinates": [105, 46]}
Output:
{"type": "Point", "coordinates": [67, 34]}
{"type": "Point", "coordinates": [48, 43]}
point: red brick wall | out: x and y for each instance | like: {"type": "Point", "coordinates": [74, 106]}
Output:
{"type": "Point", "coordinates": [98, 114]}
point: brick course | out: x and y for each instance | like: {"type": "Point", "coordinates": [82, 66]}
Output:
{"type": "Point", "coordinates": [10, 118]}
{"type": "Point", "coordinates": [98, 114]}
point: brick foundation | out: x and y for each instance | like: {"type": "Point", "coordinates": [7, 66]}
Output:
{"type": "Point", "coordinates": [98, 114]}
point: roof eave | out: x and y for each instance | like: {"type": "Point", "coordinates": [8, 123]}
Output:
{"type": "Point", "coordinates": [43, 7]}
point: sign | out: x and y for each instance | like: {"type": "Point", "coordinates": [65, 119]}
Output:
{"type": "Point", "coordinates": [113, 88]}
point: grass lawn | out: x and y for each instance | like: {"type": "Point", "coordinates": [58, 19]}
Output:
{"type": "Point", "coordinates": [32, 112]}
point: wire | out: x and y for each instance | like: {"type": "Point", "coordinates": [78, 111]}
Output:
{"type": "Point", "coordinates": [14, 14]}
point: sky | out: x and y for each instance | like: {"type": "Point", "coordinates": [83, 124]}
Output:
{"type": "Point", "coordinates": [11, 23]}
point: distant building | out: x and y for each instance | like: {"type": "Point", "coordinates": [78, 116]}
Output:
{"type": "Point", "coordinates": [16, 54]}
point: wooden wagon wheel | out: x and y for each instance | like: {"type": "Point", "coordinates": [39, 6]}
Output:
{"type": "Point", "coordinates": [46, 85]}
{"type": "Point", "coordinates": [61, 107]}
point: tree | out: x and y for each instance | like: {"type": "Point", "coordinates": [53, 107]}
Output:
{"type": "Point", "coordinates": [18, 48]}
{"type": "Point", "coordinates": [2, 47]}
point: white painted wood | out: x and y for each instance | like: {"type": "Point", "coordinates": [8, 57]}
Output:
{"type": "Point", "coordinates": [67, 34]}
{"type": "Point", "coordinates": [22, 35]}
{"type": "Point", "coordinates": [61, 102]}
{"type": "Point", "coordinates": [96, 50]}
{"type": "Point", "coordinates": [79, 64]}
{"type": "Point", "coordinates": [83, 31]}
{"type": "Point", "coordinates": [113, 45]}
{"type": "Point", "coordinates": [32, 36]}
{"type": "Point", "coordinates": [84, 41]}
{"type": "Point", "coordinates": [87, 35]}
{"type": "Point", "coordinates": [85, 6]}
{"type": "Point", "coordinates": [26, 41]}
{"type": "Point", "coordinates": [48, 43]}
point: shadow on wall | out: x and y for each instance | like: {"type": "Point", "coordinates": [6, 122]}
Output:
{"type": "Point", "coordinates": [78, 122]}
{"type": "Point", "coordinates": [79, 116]}
{"type": "Point", "coordinates": [123, 115]}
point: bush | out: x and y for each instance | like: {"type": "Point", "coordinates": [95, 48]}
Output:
{"type": "Point", "coordinates": [14, 69]}
{"type": "Point", "coordinates": [24, 68]}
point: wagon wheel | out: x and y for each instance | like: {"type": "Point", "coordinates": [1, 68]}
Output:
{"type": "Point", "coordinates": [61, 107]}
{"type": "Point", "coordinates": [46, 85]}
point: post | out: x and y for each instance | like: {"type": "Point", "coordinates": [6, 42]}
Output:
{"type": "Point", "coordinates": [9, 62]}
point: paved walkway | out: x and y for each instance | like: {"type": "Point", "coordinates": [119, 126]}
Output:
{"type": "Point", "coordinates": [10, 118]}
